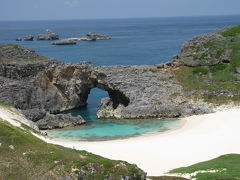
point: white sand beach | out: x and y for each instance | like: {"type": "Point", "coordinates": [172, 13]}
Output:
{"type": "Point", "coordinates": [201, 138]}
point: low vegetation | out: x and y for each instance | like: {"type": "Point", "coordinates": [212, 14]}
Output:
{"type": "Point", "coordinates": [14, 46]}
{"type": "Point", "coordinates": [223, 167]}
{"type": "Point", "coordinates": [233, 31]}
{"type": "Point", "coordinates": [218, 84]}
{"type": "Point", "coordinates": [23, 156]}
{"type": "Point", "coordinates": [5, 105]}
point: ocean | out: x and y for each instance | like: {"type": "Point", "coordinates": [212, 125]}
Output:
{"type": "Point", "coordinates": [134, 42]}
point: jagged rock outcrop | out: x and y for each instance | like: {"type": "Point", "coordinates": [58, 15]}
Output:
{"type": "Point", "coordinates": [11, 52]}
{"type": "Point", "coordinates": [150, 92]}
{"type": "Point", "coordinates": [51, 121]}
{"type": "Point", "coordinates": [18, 87]}
{"type": "Point", "coordinates": [45, 86]}
{"type": "Point", "coordinates": [204, 50]}
{"type": "Point", "coordinates": [42, 87]}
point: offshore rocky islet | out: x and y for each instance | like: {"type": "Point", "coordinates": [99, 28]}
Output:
{"type": "Point", "coordinates": [42, 87]}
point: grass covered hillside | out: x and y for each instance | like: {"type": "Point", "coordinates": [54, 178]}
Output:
{"type": "Point", "coordinates": [23, 156]}
{"type": "Point", "coordinates": [226, 167]}
{"type": "Point", "coordinates": [210, 66]}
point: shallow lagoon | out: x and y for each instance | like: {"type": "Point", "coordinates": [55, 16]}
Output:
{"type": "Point", "coordinates": [96, 129]}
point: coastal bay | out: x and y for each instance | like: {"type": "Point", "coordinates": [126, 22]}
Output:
{"type": "Point", "coordinates": [199, 138]}
{"type": "Point", "coordinates": [193, 87]}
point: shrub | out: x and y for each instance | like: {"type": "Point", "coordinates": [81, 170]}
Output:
{"type": "Point", "coordinates": [217, 68]}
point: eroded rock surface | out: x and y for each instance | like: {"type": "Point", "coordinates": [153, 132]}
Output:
{"type": "Point", "coordinates": [201, 51]}
{"type": "Point", "coordinates": [151, 92]}
{"type": "Point", "coordinates": [43, 88]}
{"type": "Point", "coordinates": [51, 121]}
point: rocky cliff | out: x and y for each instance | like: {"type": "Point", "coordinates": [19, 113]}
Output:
{"type": "Point", "coordinates": [151, 92]}
{"type": "Point", "coordinates": [42, 87]}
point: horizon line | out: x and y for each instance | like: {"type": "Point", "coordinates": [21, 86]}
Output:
{"type": "Point", "coordinates": [119, 18]}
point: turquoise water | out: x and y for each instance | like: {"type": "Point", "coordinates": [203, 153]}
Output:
{"type": "Point", "coordinates": [135, 42]}
{"type": "Point", "coordinates": [107, 130]}
{"type": "Point", "coordinates": [96, 129]}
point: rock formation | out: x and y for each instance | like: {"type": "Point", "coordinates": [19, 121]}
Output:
{"type": "Point", "coordinates": [18, 39]}
{"type": "Point", "coordinates": [49, 35]}
{"type": "Point", "coordinates": [149, 91]}
{"type": "Point", "coordinates": [44, 87]}
{"type": "Point", "coordinates": [200, 51]}
{"type": "Point", "coordinates": [50, 86]}
{"type": "Point", "coordinates": [93, 35]}
{"type": "Point", "coordinates": [51, 121]}
{"type": "Point", "coordinates": [28, 38]}
{"type": "Point", "coordinates": [64, 42]}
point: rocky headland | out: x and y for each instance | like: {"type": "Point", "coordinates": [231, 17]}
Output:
{"type": "Point", "coordinates": [42, 87]}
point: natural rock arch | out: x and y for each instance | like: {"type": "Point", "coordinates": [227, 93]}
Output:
{"type": "Point", "coordinates": [67, 87]}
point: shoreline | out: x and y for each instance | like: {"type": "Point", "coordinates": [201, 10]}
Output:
{"type": "Point", "coordinates": [180, 124]}
{"type": "Point", "coordinates": [200, 138]}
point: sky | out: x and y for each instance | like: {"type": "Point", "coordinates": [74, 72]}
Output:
{"type": "Point", "coordinates": [94, 9]}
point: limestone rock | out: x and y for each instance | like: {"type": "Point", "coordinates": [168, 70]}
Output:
{"type": "Point", "coordinates": [51, 121]}
{"type": "Point", "coordinates": [34, 114]}
{"type": "Point", "coordinates": [43, 89]}
{"type": "Point", "coordinates": [200, 51]}
{"type": "Point", "coordinates": [54, 87]}
{"type": "Point", "coordinates": [11, 52]}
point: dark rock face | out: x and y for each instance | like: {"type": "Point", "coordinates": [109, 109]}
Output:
{"type": "Point", "coordinates": [42, 87]}
{"type": "Point", "coordinates": [201, 51]}
{"type": "Point", "coordinates": [51, 121]}
{"type": "Point", "coordinates": [18, 71]}
{"type": "Point", "coordinates": [19, 87]}
{"type": "Point", "coordinates": [34, 114]}
{"type": "Point", "coordinates": [67, 86]}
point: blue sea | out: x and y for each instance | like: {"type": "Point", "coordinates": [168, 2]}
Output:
{"type": "Point", "coordinates": [134, 42]}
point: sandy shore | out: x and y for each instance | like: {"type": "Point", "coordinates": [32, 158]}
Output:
{"type": "Point", "coordinates": [201, 138]}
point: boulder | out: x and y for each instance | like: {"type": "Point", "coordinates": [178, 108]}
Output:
{"type": "Point", "coordinates": [51, 121]}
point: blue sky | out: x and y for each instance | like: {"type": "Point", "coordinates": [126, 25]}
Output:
{"type": "Point", "coordinates": [92, 9]}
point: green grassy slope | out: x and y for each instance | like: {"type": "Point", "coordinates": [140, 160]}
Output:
{"type": "Point", "coordinates": [218, 84]}
{"type": "Point", "coordinates": [23, 156]}
{"type": "Point", "coordinates": [227, 166]}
